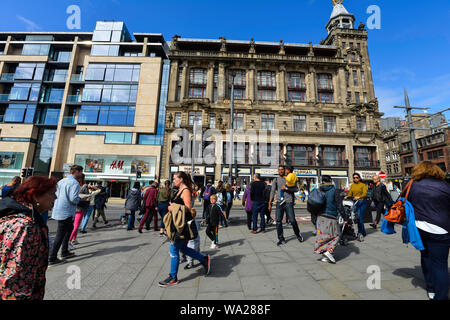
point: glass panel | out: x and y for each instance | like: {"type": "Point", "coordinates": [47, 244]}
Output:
{"type": "Point", "coordinates": [99, 50]}
{"type": "Point", "coordinates": [96, 74]}
{"type": "Point", "coordinates": [88, 114]}
{"type": "Point", "coordinates": [34, 93]}
{"type": "Point", "coordinates": [11, 160]}
{"type": "Point", "coordinates": [120, 94]}
{"type": "Point", "coordinates": [24, 71]}
{"type": "Point", "coordinates": [114, 137]}
{"type": "Point", "coordinates": [116, 36]}
{"type": "Point", "coordinates": [91, 94]}
{"type": "Point", "coordinates": [29, 116]}
{"type": "Point", "coordinates": [130, 116]}
{"type": "Point", "coordinates": [102, 35]}
{"type": "Point", "coordinates": [19, 92]}
{"type": "Point", "coordinates": [123, 75]}
{"type": "Point", "coordinates": [15, 113]}
{"type": "Point", "coordinates": [51, 116]}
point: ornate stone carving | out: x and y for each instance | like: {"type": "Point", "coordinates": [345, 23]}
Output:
{"type": "Point", "coordinates": [282, 51]}
{"type": "Point", "coordinates": [252, 46]}
{"type": "Point", "coordinates": [223, 46]}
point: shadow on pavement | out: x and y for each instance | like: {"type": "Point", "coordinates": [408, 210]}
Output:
{"type": "Point", "coordinates": [221, 266]}
{"type": "Point", "coordinates": [416, 275]}
{"type": "Point", "coordinates": [343, 252]}
{"type": "Point", "coordinates": [230, 243]}
{"type": "Point", "coordinates": [106, 251]}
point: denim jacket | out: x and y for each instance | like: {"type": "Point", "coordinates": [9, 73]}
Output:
{"type": "Point", "coordinates": [67, 199]}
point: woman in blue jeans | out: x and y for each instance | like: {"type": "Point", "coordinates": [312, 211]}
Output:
{"type": "Point", "coordinates": [133, 203]}
{"type": "Point", "coordinates": [430, 198]}
{"type": "Point", "coordinates": [183, 182]}
{"type": "Point", "coordinates": [163, 198]}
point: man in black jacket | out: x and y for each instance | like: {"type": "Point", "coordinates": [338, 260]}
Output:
{"type": "Point", "coordinates": [381, 198]}
{"type": "Point", "coordinates": [258, 203]}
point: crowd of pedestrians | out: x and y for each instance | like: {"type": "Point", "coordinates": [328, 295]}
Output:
{"type": "Point", "coordinates": [24, 214]}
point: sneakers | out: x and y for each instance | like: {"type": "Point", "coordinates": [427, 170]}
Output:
{"type": "Point", "coordinates": [300, 238]}
{"type": "Point", "coordinates": [373, 225]}
{"type": "Point", "coordinates": [53, 262]}
{"type": "Point", "coordinates": [329, 256]}
{"type": "Point", "coordinates": [431, 295]}
{"type": "Point", "coordinates": [75, 242]}
{"type": "Point", "coordinates": [213, 245]}
{"type": "Point", "coordinates": [207, 264]}
{"type": "Point", "coordinates": [71, 246]}
{"type": "Point", "coordinates": [82, 231]}
{"type": "Point", "coordinates": [188, 266]}
{"type": "Point", "coordinates": [68, 254]}
{"type": "Point", "coordinates": [106, 222]}
{"type": "Point", "coordinates": [252, 232]}
{"type": "Point", "coordinates": [325, 259]}
{"type": "Point", "coordinates": [168, 282]}
{"type": "Point", "coordinates": [281, 242]}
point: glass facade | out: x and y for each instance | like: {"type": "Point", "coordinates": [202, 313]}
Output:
{"type": "Point", "coordinates": [44, 150]}
{"type": "Point", "coordinates": [20, 113]}
{"type": "Point", "coordinates": [113, 72]}
{"type": "Point", "coordinates": [29, 71]}
{"type": "Point", "coordinates": [110, 93]}
{"type": "Point", "coordinates": [25, 91]}
{"type": "Point", "coordinates": [107, 115]}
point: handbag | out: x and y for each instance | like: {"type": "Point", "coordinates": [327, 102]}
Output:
{"type": "Point", "coordinates": [396, 213]}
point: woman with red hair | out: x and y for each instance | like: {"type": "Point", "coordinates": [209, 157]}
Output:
{"type": "Point", "coordinates": [24, 240]}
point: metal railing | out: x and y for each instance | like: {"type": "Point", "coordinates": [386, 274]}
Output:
{"type": "Point", "coordinates": [367, 164]}
{"type": "Point", "coordinates": [76, 78]}
{"type": "Point", "coordinates": [73, 98]}
{"type": "Point", "coordinates": [69, 121]}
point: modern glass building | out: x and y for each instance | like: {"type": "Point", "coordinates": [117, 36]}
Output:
{"type": "Point", "coordinates": [96, 99]}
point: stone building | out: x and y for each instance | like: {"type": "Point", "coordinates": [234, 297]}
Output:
{"type": "Point", "coordinates": [87, 98]}
{"type": "Point", "coordinates": [320, 97]}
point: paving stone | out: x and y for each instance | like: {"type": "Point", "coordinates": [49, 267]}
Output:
{"type": "Point", "coordinates": [220, 296]}
{"type": "Point", "coordinates": [338, 290]}
{"type": "Point", "coordinates": [258, 286]}
{"type": "Point", "coordinates": [378, 295]}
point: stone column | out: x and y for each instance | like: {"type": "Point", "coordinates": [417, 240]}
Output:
{"type": "Point", "coordinates": [311, 85]}
{"type": "Point", "coordinates": [341, 87]}
{"type": "Point", "coordinates": [173, 82]}
{"type": "Point", "coordinates": [281, 83]}
{"type": "Point", "coordinates": [210, 82]}
{"type": "Point", "coordinates": [251, 86]}
{"type": "Point", "coordinates": [144, 47]}
{"type": "Point", "coordinates": [184, 80]}
{"type": "Point", "coordinates": [221, 82]}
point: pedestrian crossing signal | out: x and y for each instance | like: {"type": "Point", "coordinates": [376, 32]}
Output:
{"type": "Point", "coordinates": [24, 173]}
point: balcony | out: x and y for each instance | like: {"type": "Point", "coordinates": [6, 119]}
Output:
{"type": "Point", "coordinates": [7, 77]}
{"type": "Point", "coordinates": [73, 99]}
{"type": "Point", "coordinates": [76, 78]}
{"type": "Point", "coordinates": [367, 164]}
{"type": "Point", "coordinates": [69, 121]}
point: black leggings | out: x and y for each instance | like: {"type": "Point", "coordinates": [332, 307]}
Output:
{"type": "Point", "coordinates": [249, 219]}
{"type": "Point", "coordinates": [212, 233]}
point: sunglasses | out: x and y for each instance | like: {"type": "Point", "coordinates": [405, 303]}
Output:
{"type": "Point", "coordinates": [355, 178]}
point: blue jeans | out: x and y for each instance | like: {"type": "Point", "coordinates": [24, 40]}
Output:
{"type": "Point", "coordinates": [360, 209]}
{"type": "Point", "coordinates": [163, 208]}
{"type": "Point", "coordinates": [131, 220]}
{"type": "Point", "coordinates": [287, 207]}
{"type": "Point", "coordinates": [175, 248]}
{"type": "Point", "coordinates": [86, 217]}
{"type": "Point", "coordinates": [258, 207]}
{"type": "Point", "coordinates": [434, 260]}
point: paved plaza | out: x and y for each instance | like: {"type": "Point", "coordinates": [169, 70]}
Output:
{"type": "Point", "coordinates": [117, 264]}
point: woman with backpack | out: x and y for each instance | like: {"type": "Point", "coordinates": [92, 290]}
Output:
{"type": "Point", "coordinates": [221, 194]}
{"type": "Point", "coordinates": [133, 203]}
{"type": "Point", "coordinates": [430, 197]}
{"type": "Point", "coordinates": [183, 197]}
{"type": "Point", "coordinates": [327, 236]}
{"type": "Point", "coordinates": [205, 194]}
{"type": "Point", "coordinates": [24, 248]}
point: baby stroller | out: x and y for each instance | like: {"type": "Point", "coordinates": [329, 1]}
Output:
{"type": "Point", "coordinates": [348, 222]}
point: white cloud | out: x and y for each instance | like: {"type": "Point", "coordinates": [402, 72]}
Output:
{"type": "Point", "coordinates": [31, 25]}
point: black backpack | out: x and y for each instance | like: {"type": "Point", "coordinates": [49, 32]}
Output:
{"type": "Point", "coordinates": [316, 201]}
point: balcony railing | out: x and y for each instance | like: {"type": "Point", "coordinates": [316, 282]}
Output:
{"type": "Point", "coordinates": [7, 77]}
{"type": "Point", "coordinates": [333, 163]}
{"type": "Point", "coordinates": [76, 78]}
{"type": "Point", "coordinates": [367, 164]}
{"type": "Point", "coordinates": [69, 121]}
{"type": "Point", "coordinates": [73, 99]}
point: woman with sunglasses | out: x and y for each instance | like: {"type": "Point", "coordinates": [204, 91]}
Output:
{"type": "Point", "coordinates": [358, 190]}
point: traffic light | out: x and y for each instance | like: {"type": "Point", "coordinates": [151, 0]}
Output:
{"type": "Point", "coordinates": [30, 172]}
{"type": "Point", "coordinates": [24, 173]}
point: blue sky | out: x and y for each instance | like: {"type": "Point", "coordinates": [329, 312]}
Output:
{"type": "Point", "coordinates": [410, 50]}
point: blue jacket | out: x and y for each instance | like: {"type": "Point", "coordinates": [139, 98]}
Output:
{"type": "Point", "coordinates": [410, 234]}
{"type": "Point", "coordinates": [330, 192]}
{"type": "Point", "coordinates": [67, 199]}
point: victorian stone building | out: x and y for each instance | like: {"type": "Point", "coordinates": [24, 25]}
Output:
{"type": "Point", "coordinates": [320, 97]}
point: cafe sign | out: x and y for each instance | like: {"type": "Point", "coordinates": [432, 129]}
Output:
{"type": "Point", "coordinates": [367, 175]}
